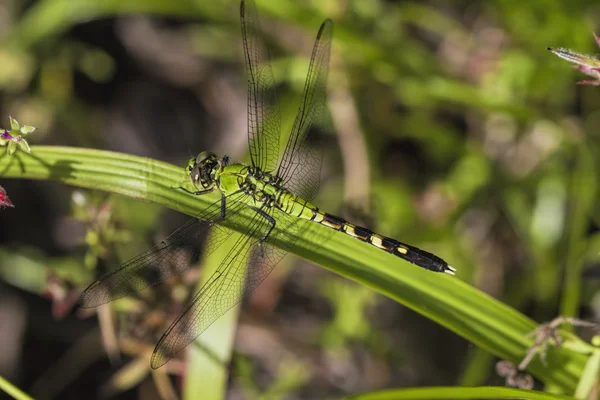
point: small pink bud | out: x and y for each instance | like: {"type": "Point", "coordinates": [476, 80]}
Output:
{"type": "Point", "coordinates": [4, 200]}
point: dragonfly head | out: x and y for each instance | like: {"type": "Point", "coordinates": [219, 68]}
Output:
{"type": "Point", "coordinates": [203, 169]}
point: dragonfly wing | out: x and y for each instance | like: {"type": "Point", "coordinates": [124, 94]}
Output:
{"type": "Point", "coordinates": [300, 166]}
{"type": "Point", "coordinates": [169, 258]}
{"type": "Point", "coordinates": [264, 118]}
{"type": "Point", "coordinates": [228, 284]}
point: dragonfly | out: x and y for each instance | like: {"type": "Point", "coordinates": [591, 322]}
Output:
{"type": "Point", "coordinates": [275, 191]}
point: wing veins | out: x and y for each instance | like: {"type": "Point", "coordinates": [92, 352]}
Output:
{"type": "Point", "coordinates": [215, 290]}
{"type": "Point", "coordinates": [311, 106]}
{"type": "Point", "coordinates": [263, 107]}
{"type": "Point", "coordinates": [129, 278]}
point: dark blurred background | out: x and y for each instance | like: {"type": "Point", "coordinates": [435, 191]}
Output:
{"type": "Point", "coordinates": [450, 127]}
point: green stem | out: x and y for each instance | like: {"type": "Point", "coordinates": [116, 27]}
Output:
{"type": "Point", "coordinates": [454, 393]}
{"type": "Point", "coordinates": [472, 314]}
{"type": "Point", "coordinates": [13, 391]}
{"type": "Point", "coordinates": [582, 200]}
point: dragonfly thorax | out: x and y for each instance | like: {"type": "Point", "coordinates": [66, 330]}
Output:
{"type": "Point", "coordinates": [258, 175]}
{"type": "Point", "coordinates": [204, 169]}
{"type": "Point", "coordinates": [263, 187]}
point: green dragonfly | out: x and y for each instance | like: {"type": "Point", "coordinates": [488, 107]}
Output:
{"type": "Point", "coordinates": [276, 192]}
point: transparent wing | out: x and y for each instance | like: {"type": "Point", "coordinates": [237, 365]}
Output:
{"type": "Point", "coordinates": [169, 258]}
{"type": "Point", "coordinates": [300, 166]}
{"type": "Point", "coordinates": [264, 119]}
{"type": "Point", "coordinates": [227, 285]}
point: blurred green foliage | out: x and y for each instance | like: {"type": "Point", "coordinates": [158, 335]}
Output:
{"type": "Point", "coordinates": [480, 148]}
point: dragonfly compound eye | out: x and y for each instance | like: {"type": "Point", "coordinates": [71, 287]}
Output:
{"type": "Point", "coordinates": [195, 173]}
{"type": "Point", "coordinates": [206, 156]}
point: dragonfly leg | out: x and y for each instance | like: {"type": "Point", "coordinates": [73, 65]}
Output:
{"type": "Point", "coordinates": [196, 193]}
{"type": "Point", "coordinates": [223, 206]}
{"type": "Point", "coordinates": [271, 221]}
{"type": "Point", "coordinates": [268, 218]}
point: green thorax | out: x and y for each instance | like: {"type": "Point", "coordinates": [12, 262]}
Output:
{"type": "Point", "coordinates": [262, 189]}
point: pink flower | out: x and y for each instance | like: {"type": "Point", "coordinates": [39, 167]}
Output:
{"type": "Point", "coordinates": [4, 200]}
{"type": "Point", "coordinates": [15, 138]}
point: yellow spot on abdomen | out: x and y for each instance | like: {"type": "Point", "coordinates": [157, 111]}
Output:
{"type": "Point", "coordinates": [377, 241]}
{"type": "Point", "coordinates": [401, 250]}
{"type": "Point", "coordinates": [349, 229]}
{"type": "Point", "coordinates": [319, 217]}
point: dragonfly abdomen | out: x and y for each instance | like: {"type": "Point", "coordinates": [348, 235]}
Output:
{"type": "Point", "coordinates": [409, 253]}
